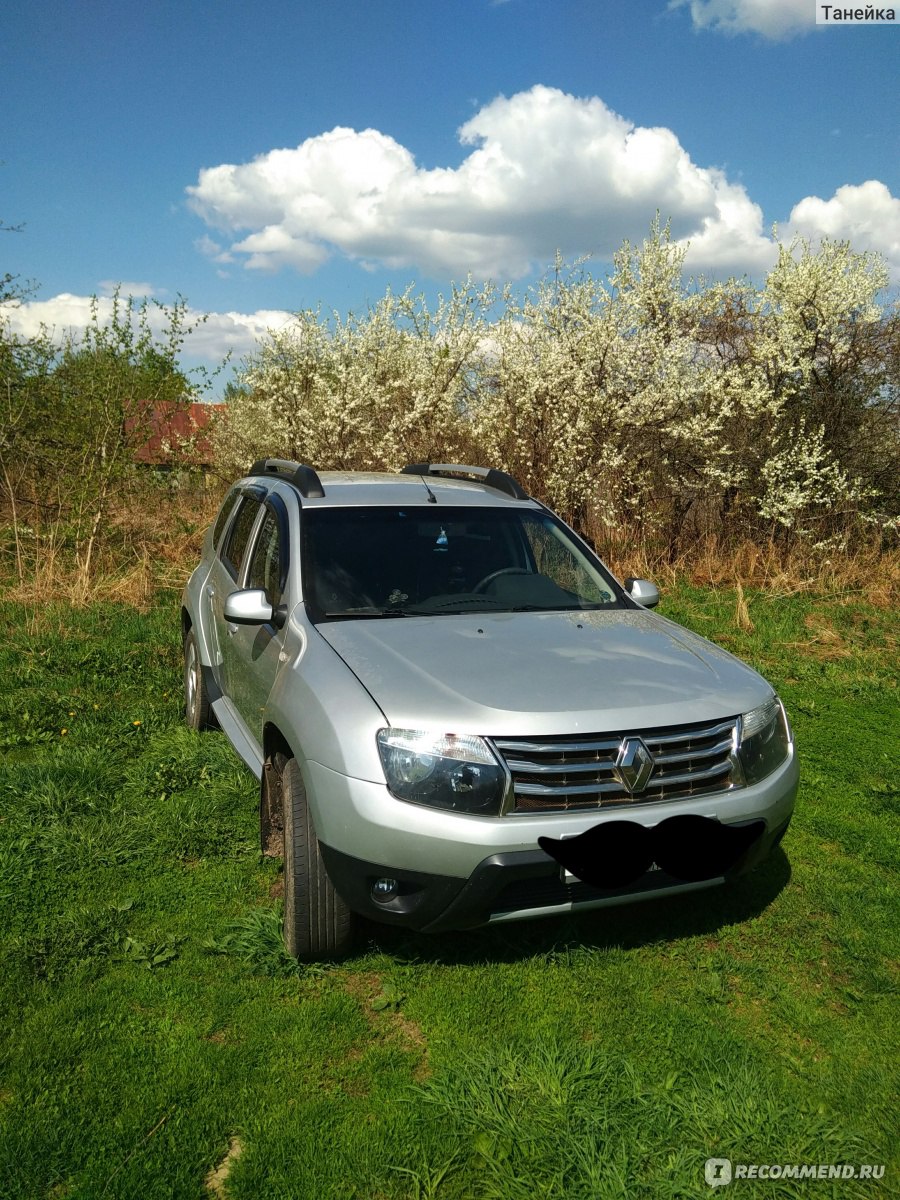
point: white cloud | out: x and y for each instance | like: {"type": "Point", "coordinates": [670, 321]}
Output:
{"type": "Point", "coordinates": [213, 250]}
{"type": "Point", "coordinates": [125, 288]}
{"type": "Point", "coordinates": [545, 171]}
{"type": "Point", "coordinates": [774, 19]}
{"type": "Point", "coordinates": [730, 240]}
{"type": "Point", "coordinates": [234, 332]}
{"type": "Point", "coordinates": [726, 235]}
{"type": "Point", "coordinates": [867, 216]}
{"type": "Point", "coordinates": [58, 315]}
{"type": "Point", "coordinates": [210, 341]}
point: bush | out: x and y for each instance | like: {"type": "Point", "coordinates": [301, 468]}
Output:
{"type": "Point", "coordinates": [674, 409]}
{"type": "Point", "coordinates": [74, 416]}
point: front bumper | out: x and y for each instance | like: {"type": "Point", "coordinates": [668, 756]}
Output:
{"type": "Point", "coordinates": [505, 887]}
{"type": "Point", "coordinates": [455, 871]}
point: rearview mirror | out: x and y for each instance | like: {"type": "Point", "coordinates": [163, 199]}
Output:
{"type": "Point", "coordinates": [248, 607]}
{"type": "Point", "coordinates": [643, 591]}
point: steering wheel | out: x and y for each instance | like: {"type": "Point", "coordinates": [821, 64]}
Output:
{"type": "Point", "coordinates": [482, 584]}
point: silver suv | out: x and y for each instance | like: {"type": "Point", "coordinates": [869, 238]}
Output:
{"type": "Point", "coordinates": [458, 716]}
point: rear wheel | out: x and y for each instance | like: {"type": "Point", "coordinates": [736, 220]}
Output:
{"type": "Point", "coordinates": [317, 922]}
{"type": "Point", "coordinates": [197, 708]}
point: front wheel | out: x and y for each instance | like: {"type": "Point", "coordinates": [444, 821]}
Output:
{"type": "Point", "coordinates": [317, 922]}
{"type": "Point", "coordinates": [197, 707]}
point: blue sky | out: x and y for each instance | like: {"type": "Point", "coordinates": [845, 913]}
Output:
{"type": "Point", "coordinates": [263, 158]}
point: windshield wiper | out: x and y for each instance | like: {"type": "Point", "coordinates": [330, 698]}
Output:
{"type": "Point", "coordinates": [455, 602]}
{"type": "Point", "coordinates": [368, 614]}
{"type": "Point", "coordinates": [560, 607]}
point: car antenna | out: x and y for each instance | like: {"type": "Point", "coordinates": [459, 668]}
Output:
{"type": "Point", "coordinates": [432, 498]}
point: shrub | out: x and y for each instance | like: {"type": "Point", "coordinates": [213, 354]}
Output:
{"type": "Point", "coordinates": [669, 407]}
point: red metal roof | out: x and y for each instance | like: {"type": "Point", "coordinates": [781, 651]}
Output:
{"type": "Point", "coordinates": [170, 426]}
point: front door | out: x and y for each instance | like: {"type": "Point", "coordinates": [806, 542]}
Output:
{"type": "Point", "coordinates": [256, 648]}
{"type": "Point", "coordinates": [225, 577]}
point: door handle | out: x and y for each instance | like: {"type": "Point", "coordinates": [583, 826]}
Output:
{"type": "Point", "coordinates": [210, 590]}
{"type": "Point", "coordinates": [232, 630]}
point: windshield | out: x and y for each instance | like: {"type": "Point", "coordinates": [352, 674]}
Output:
{"type": "Point", "coordinates": [418, 561]}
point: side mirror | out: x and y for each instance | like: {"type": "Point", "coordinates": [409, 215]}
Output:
{"type": "Point", "coordinates": [643, 591]}
{"type": "Point", "coordinates": [248, 607]}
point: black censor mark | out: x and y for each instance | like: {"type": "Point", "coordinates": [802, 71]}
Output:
{"type": "Point", "coordinates": [689, 848]}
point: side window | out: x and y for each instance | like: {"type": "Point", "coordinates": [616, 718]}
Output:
{"type": "Point", "coordinates": [235, 549]}
{"type": "Point", "coordinates": [265, 566]}
{"type": "Point", "coordinates": [222, 518]}
{"type": "Point", "coordinates": [562, 564]}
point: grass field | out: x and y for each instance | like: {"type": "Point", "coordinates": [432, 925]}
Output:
{"type": "Point", "coordinates": [158, 1043]}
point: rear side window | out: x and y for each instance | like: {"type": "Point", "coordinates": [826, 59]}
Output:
{"type": "Point", "coordinates": [235, 549]}
{"type": "Point", "coordinates": [222, 518]}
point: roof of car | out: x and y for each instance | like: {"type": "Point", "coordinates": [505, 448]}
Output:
{"type": "Point", "coordinates": [352, 488]}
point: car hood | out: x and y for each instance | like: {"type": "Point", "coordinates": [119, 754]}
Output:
{"type": "Point", "coordinates": [502, 674]}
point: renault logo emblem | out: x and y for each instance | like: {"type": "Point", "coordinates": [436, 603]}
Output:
{"type": "Point", "coordinates": [634, 765]}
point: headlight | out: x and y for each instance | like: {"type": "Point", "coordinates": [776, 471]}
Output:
{"type": "Point", "coordinates": [442, 770]}
{"type": "Point", "coordinates": [765, 740]}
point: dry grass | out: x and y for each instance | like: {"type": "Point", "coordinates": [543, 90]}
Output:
{"type": "Point", "coordinates": [155, 535]}
{"type": "Point", "coordinates": [742, 612]}
{"type": "Point", "coordinates": [153, 542]}
{"type": "Point", "coordinates": [824, 643]}
{"type": "Point", "coordinates": [217, 1179]}
{"type": "Point", "coordinates": [867, 571]}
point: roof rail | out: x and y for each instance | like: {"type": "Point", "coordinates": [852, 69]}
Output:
{"type": "Point", "coordinates": [490, 476]}
{"type": "Point", "coordinates": [304, 478]}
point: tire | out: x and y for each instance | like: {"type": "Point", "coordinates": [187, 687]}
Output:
{"type": "Point", "coordinates": [197, 708]}
{"type": "Point", "coordinates": [317, 922]}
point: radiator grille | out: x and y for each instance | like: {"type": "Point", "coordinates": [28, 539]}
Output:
{"type": "Point", "coordinates": [563, 773]}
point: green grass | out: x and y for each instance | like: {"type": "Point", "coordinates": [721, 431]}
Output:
{"type": "Point", "coordinates": [151, 1020]}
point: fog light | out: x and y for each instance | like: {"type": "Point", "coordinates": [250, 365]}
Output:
{"type": "Point", "coordinates": [384, 890]}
